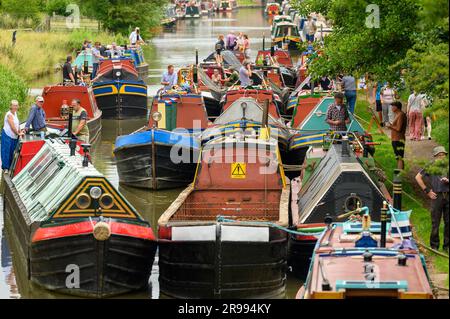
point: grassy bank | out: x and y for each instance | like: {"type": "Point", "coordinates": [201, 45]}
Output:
{"type": "Point", "coordinates": [36, 54]}
{"type": "Point", "coordinates": [39, 53]}
{"type": "Point", "coordinates": [385, 158]}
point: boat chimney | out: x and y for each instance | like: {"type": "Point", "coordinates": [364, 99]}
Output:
{"type": "Point", "coordinates": [345, 147]}
{"type": "Point", "coordinates": [69, 124]}
{"type": "Point", "coordinates": [72, 146]}
{"type": "Point", "coordinates": [85, 148]}
{"type": "Point", "coordinates": [195, 69]}
{"type": "Point", "coordinates": [264, 42]}
{"type": "Point", "coordinates": [397, 188]}
{"type": "Point", "coordinates": [272, 50]}
{"type": "Point", "coordinates": [401, 257]}
{"type": "Point", "coordinates": [383, 220]}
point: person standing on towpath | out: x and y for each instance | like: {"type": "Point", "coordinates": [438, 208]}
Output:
{"type": "Point", "coordinates": [438, 193]}
{"type": "Point", "coordinates": [398, 132]}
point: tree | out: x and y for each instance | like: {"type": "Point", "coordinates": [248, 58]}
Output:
{"type": "Point", "coordinates": [123, 15]}
{"type": "Point", "coordinates": [24, 9]}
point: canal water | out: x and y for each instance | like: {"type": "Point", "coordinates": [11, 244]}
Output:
{"type": "Point", "coordinates": [177, 47]}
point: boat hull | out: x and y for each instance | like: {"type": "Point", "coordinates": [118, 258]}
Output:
{"type": "Point", "coordinates": [299, 256]}
{"type": "Point", "coordinates": [121, 101]}
{"type": "Point", "coordinates": [135, 164]}
{"type": "Point", "coordinates": [116, 266]}
{"type": "Point", "coordinates": [223, 269]}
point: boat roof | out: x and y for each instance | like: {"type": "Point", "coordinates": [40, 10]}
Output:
{"type": "Point", "coordinates": [235, 112]}
{"type": "Point", "coordinates": [315, 121]}
{"type": "Point", "coordinates": [48, 183]}
{"type": "Point", "coordinates": [342, 265]}
{"type": "Point", "coordinates": [321, 194]}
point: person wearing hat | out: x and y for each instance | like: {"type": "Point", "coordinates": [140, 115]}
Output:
{"type": "Point", "coordinates": [337, 114]}
{"type": "Point", "coordinates": [398, 132]}
{"type": "Point", "coordinates": [36, 118]}
{"type": "Point", "coordinates": [437, 191]}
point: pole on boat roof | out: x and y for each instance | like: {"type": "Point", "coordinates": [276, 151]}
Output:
{"type": "Point", "coordinates": [154, 181]}
{"type": "Point", "coordinates": [265, 116]}
{"type": "Point", "coordinates": [264, 42]}
{"type": "Point", "coordinates": [195, 69]}
{"type": "Point", "coordinates": [69, 124]}
{"type": "Point", "coordinates": [383, 220]}
{"type": "Point", "coordinates": [272, 50]}
{"type": "Point", "coordinates": [397, 187]}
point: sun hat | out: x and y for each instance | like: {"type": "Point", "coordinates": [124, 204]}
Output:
{"type": "Point", "coordinates": [439, 149]}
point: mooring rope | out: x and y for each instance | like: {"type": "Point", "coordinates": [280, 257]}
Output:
{"type": "Point", "coordinates": [224, 219]}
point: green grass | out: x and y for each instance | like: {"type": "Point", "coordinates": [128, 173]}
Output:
{"type": "Point", "coordinates": [246, 3]}
{"type": "Point", "coordinates": [385, 158]}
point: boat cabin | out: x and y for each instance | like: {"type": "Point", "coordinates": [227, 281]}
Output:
{"type": "Point", "coordinates": [279, 57]}
{"type": "Point", "coordinates": [179, 109]}
{"type": "Point", "coordinates": [57, 99]}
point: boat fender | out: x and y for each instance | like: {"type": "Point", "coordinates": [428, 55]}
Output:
{"type": "Point", "coordinates": [101, 231]}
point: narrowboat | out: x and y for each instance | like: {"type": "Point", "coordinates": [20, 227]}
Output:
{"type": "Point", "coordinates": [119, 91]}
{"type": "Point", "coordinates": [76, 232]}
{"type": "Point", "coordinates": [224, 236]}
{"type": "Point", "coordinates": [207, 8]}
{"type": "Point", "coordinates": [309, 121]}
{"type": "Point", "coordinates": [364, 259]}
{"type": "Point", "coordinates": [137, 55]}
{"type": "Point", "coordinates": [285, 34]}
{"type": "Point", "coordinates": [57, 99]}
{"type": "Point", "coordinates": [272, 8]}
{"type": "Point", "coordinates": [84, 61]}
{"type": "Point", "coordinates": [163, 154]}
{"type": "Point", "coordinates": [225, 6]}
{"type": "Point", "coordinates": [170, 16]}
{"type": "Point", "coordinates": [192, 10]}
{"type": "Point", "coordinates": [332, 181]}
{"type": "Point", "coordinates": [245, 116]}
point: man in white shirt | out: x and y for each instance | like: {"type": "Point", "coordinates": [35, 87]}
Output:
{"type": "Point", "coordinates": [135, 37]}
{"type": "Point", "coordinates": [169, 78]}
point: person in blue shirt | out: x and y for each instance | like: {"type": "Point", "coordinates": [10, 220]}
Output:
{"type": "Point", "coordinates": [378, 105]}
{"type": "Point", "coordinates": [36, 118]}
{"type": "Point", "coordinates": [169, 78]}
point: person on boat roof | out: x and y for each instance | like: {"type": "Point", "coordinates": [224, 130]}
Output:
{"type": "Point", "coordinates": [231, 41]}
{"type": "Point", "coordinates": [219, 47]}
{"type": "Point", "coordinates": [337, 114]}
{"type": "Point", "coordinates": [216, 77]}
{"type": "Point", "coordinates": [245, 72]}
{"type": "Point", "coordinates": [10, 135]}
{"type": "Point", "coordinates": [115, 51]}
{"type": "Point", "coordinates": [169, 78]}
{"type": "Point", "coordinates": [96, 56]}
{"type": "Point", "coordinates": [79, 121]}
{"type": "Point", "coordinates": [68, 77]}
{"type": "Point", "coordinates": [233, 79]}
{"type": "Point", "coordinates": [135, 37]}
{"type": "Point", "coordinates": [37, 117]}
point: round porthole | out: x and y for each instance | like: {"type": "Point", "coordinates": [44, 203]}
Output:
{"type": "Point", "coordinates": [106, 201]}
{"type": "Point", "coordinates": [352, 203]}
{"type": "Point", "coordinates": [83, 201]}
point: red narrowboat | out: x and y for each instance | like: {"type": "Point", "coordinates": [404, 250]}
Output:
{"type": "Point", "coordinates": [224, 237]}
{"type": "Point", "coordinates": [364, 259]}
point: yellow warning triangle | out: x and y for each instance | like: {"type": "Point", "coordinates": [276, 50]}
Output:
{"type": "Point", "coordinates": [238, 170]}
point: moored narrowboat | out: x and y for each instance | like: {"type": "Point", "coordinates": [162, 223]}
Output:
{"type": "Point", "coordinates": [272, 8]}
{"type": "Point", "coordinates": [332, 182]}
{"type": "Point", "coordinates": [192, 10]}
{"type": "Point", "coordinates": [364, 259]}
{"type": "Point", "coordinates": [285, 34]}
{"type": "Point", "coordinates": [163, 154]}
{"type": "Point", "coordinates": [57, 99]}
{"type": "Point", "coordinates": [76, 232]}
{"type": "Point", "coordinates": [223, 236]}
{"type": "Point", "coordinates": [119, 91]}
